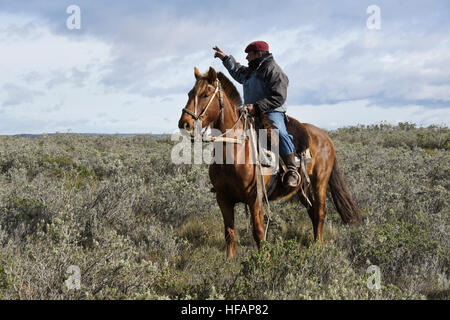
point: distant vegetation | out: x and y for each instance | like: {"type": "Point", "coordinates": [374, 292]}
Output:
{"type": "Point", "coordinates": [140, 227]}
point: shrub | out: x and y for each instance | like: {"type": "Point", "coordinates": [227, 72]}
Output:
{"type": "Point", "coordinates": [140, 227]}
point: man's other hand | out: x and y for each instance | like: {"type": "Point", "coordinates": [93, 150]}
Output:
{"type": "Point", "coordinates": [251, 109]}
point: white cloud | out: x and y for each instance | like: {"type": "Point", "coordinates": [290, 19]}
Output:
{"type": "Point", "coordinates": [42, 51]}
{"type": "Point", "coordinates": [360, 64]}
{"type": "Point", "coordinates": [333, 116]}
{"type": "Point", "coordinates": [54, 83]}
{"type": "Point", "coordinates": [16, 95]}
{"type": "Point", "coordinates": [131, 71]}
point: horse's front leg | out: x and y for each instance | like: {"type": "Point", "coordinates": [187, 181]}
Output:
{"type": "Point", "coordinates": [258, 222]}
{"type": "Point", "coordinates": [227, 208]}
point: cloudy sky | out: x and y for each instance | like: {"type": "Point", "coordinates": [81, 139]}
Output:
{"type": "Point", "coordinates": [129, 67]}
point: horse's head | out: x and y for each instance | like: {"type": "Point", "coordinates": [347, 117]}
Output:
{"type": "Point", "coordinates": [204, 102]}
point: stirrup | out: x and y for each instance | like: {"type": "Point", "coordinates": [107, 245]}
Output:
{"type": "Point", "coordinates": [299, 178]}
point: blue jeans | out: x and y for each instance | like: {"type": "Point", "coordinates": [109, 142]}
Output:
{"type": "Point", "coordinates": [286, 140]}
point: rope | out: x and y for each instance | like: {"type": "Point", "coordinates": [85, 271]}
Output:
{"type": "Point", "coordinates": [262, 184]}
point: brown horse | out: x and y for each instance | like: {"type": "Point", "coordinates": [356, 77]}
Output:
{"type": "Point", "coordinates": [236, 182]}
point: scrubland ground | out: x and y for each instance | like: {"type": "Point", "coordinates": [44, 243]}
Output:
{"type": "Point", "coordinates": [140, 227]}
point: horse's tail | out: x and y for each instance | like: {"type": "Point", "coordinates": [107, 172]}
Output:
{"type": "Point", "coordinates": [345, 205]}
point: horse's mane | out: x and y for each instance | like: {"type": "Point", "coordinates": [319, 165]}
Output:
{"type": "Point", "coordinates": [230, 89]}
{"type": "Point", "coordinates": [227, 86]}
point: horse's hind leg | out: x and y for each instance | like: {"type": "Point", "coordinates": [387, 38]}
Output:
{"type": "Point", "coordinates": [319, 209]}
{"type": "Point", "coordinates": [227, 209]}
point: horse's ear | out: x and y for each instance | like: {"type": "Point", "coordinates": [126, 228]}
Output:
{"type": "Point", "coordinates": [212, 75]}
{"type": "Point", "coordinates": [197, 73]}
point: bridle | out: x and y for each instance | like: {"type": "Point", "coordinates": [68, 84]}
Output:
{"type": "Point", "coordinates": [202, 114]}
{"type": "Point", "coordinates": [221, 138]}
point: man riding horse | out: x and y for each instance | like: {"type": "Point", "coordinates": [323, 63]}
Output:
{"type": "Point", "coordinates": [265, 91]}
{"type": "Point", "coordinates": [214, 101]}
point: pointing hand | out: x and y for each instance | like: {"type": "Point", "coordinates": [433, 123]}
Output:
{"type": "Point", "coordinates": [219, 53]}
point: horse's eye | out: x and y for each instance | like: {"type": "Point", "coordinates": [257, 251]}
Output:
{"type": "Point", "coordinates": [205, 95]}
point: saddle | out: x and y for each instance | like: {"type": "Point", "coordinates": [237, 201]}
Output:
{"type": "Point", "coordinates": [273, 165]}
{"type": "Point", "coordinates": [277, 169]}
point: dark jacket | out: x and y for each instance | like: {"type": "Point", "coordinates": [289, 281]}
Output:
{"type": "Point", "coordinates": [265, 85]}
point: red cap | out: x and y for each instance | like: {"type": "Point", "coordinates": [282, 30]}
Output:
{"type": "Point", "coordinates": [257, 46]}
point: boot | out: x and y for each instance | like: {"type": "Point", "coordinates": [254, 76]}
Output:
{"type": "Point", "coordinates": [291, 177]}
